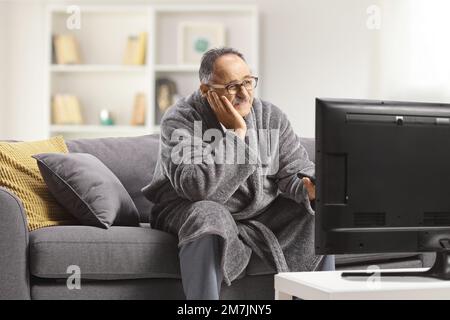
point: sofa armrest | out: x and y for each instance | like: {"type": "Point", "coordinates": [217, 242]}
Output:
{"type": "Point", "coordinates": [14, 262]}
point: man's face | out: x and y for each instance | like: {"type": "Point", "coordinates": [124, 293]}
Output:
{"type": "Point", "coordinates": [230, 69]}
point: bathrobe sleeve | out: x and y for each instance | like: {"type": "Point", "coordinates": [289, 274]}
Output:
{"type": "Point", "coordinates": [203, 169]}
{"type": "Point", "coordinates": [293, 159]}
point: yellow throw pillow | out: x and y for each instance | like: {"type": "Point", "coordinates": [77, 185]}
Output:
{"type": "Point", "coordinates": [19, 173]}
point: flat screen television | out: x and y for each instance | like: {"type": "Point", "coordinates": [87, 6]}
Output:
{"type": "Point", "coordinates": [383, 179]}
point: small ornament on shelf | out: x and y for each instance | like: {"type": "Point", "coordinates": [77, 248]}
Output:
{"type": "Point", "coordinates": [106, 118]}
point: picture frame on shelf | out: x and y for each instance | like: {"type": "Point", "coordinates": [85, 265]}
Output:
{"type": "Point", "coordinates": [166, 94]}
{"type": "Point", "coordinates": [195, 38]}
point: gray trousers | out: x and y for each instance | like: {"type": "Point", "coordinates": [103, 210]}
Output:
{"type": "Point", "coordinates": [201, 272]}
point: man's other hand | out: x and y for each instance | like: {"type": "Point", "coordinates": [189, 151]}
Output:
{"type": "Point", "coordinates": [311, 188]}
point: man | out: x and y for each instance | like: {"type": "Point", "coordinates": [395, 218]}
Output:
{"type": "Point", "coordinates": [223, 211]}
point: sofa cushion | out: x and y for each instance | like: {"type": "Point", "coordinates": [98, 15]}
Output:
{"type": "Point", "coordinates": [115, 253]}
{"type": "Point", "coordinates": [87, 189]}
{"type": "Point", "coordinates": [103, 254]}
{"type": "Point", "coordinates": [131, 159]}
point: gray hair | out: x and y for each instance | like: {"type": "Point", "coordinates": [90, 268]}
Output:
{"type": "Point", "coordinates": [209, 58]}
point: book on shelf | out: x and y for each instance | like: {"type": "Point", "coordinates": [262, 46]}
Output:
{"type": "Point", "coordinates": [140, 106]}
{"type": "Point", "coordinates": [136, 49]}
{"type": "Point", "coordinates": [66, 109]}
{"type": "Point", "coordinates": [66, 49]}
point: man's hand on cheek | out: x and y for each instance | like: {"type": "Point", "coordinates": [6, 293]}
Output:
{"type": "Point", "coordinates": [226, 113]}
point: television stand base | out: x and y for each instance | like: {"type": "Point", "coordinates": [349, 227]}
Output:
{"type": "Point", "coordinates": [439, 270]}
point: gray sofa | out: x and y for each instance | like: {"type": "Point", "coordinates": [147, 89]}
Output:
{"type": "Point", "coordinates": [124, 262]}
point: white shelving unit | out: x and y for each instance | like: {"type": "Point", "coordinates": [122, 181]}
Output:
{"type": "Point", "coordinates": [103, 82]}
{"type": "Point", "coordinates": [96, 68]}
{"type": "Point", "coordinates": [176, 68]}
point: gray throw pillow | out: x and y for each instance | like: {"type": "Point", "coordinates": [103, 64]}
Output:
{"type": "Point", "coordinates": [131, 159]}
{"type": "Point", "coordinates": [87, 189]}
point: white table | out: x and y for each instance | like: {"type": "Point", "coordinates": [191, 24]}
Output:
{"type": "Point", "coordinates": [329, 285]}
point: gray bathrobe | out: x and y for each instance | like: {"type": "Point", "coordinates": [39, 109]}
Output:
{"type": "Point", "coordinates": [255, 202]}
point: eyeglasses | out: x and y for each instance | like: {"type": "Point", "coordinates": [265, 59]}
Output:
{"type": "Point", "coordinates": [233, 88]}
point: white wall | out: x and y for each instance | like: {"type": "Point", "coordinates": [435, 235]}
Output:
{"type": "Point", "coordinates": [25, 70]}
{"type": "Point", "coordinates": [415, 52]}
{"type": "Point", "coordinates": [319, 48]}
{"type": "Point", "coordinates": [309, 48]}
{"type": "Point", "coordinates": [3, 73]}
